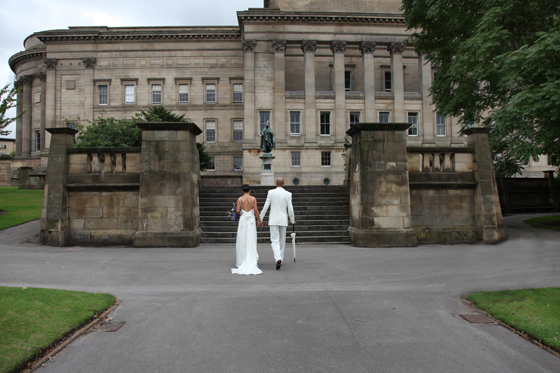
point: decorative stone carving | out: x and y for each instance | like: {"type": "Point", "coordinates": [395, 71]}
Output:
{"type": "Point", "coordinates": [89, 62]}
{"type": "Point", "coordinates": [18, 83]}
{"type": "Point", "coordinates": [42, 76]}
{"type": "Point", "coordinates": [367, 47]}
{"type": "Point", "coordinates": [51, 63]}
{"type": "Point", "coordinates": [249, 45]}
{"type": "Point", "coordinates": [338, 46]}
{"type": "Point", "coordinates": [27, 80]}
{"type": "Point", "coordinates": [308, 46]}
{"type": "Point", "coordinates": [279, 45]}
{"type": "Point", "coordinates": [395, 48]}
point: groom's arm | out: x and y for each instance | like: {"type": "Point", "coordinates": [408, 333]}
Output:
{"type": "Point", "coordinates": [265, 208]}
{"type": "Point", "coordinates": [291, 210]}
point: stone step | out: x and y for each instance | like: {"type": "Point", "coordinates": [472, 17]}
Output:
{"type": "Point", "coordinates": [318, 199]}
{"type": "Point", "coordinates": [308, 240]}
{"type": "Point", "coordinates": [304, 216]}
{"type": "Point", "coordinates": [212, 227]}
{"type": "Point", "coordinates": [297, 208]}
{"type": "Point", "coordinates": [300, 223]}
{"type": "Point", "coordinates": [266, 233]}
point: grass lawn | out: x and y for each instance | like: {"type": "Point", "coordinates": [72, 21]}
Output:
{"type": "Point", "coordinates": [551, 222]}
{"type": "Point", "coordinates": [33, 319]}
{"type": "Point", "coordinates": [20, 205]}
{"type": "Point", "coordinates": [532, 311]}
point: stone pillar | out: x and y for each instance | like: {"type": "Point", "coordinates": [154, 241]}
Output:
{"type": "Point", "coordinates": [50, 99]}
{"type": "Point", "coordinates": [379, 189]}
{"type": "Point", "coordinates": [397, 77]}
{"type": "Point", "coordinates": [250, 130]}
{"type": "Point", "coordinates": [169, 213]}
{"type": "Point", "coordinates": [368, 48]}
{"type": "Point", "coordinates": [488, 213]}
{"type": "Point", "coordinates": [427, 126]}
{"type": "Point", "coordinates": [54, 223]}
{"type": "Point", "coordinates": [279, 47]}
{"type": "Point", "coordinates": [338, 48]}
{"type": "Point", "coordinates": [19, 121]}
{"type": "Point", "coordinates": [43, 78]}
{"type": "Point", "coordinates": [309, 47]}
{"type": "Point", "coordinates": [26, 137]}
{"type": "Point", "coordinates": [89, 64]}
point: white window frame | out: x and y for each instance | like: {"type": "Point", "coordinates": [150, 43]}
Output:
{"type": "Point", "coordinates": [239, 99]}
{"type": "Point", "coordinates": [350, 117]}
{"type": "Point", "coordinates": [103, 99]}
{"type": "Point", "coordinates": [413, 129]}
{"type": "Point", "coordinates": [388, 116]}
{"type": "Point", "coordinates": [237, 123]}
{"type": "Point", "coordinates": [212, 166]}
{"type": "Point", "coordinates": [441, 125]}
{"type": "Point", "coordinates": [324, 156]}
{"type": "Point", "coordinates": [99, 83]}
{"type": "Point", "coordinates": [183, 93]}
{"type": "Point", "coordinates": [239, 168]}
{"type": "Point", "coordinates": [183, 82]}
{"type": "Point", "coordinates": [296, 159]}
{"type": "Point", "coordinates": [262, 124]}
{"type": "Point", "coordinates": [329, 124]}
{"type": "Point", "coordinates": [211, 126]}
{"type": "Point", "coordinates": [156, 98]}
{"type": "Point", "coordinates": [293, 123]}
{"type": "Point", "coordinates": [206, 83]}
{"type": "Point", "coordinates": [129, 98]}
{"type": "Point", "coordinates": [152, 82]}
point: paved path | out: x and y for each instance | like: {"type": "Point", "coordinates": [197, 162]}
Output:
{"type": "Point", "coordinates": [185, 312]}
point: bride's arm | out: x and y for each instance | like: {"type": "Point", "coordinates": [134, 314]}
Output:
{"type": "Point", "coordinates": [256, 210]}
{"type": "Point", "coordinates": [238, 205]}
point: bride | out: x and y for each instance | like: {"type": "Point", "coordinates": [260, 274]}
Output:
{"type": "Point", "coordinates": [246, 244]}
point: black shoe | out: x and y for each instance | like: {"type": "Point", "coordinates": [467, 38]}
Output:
{"type": "Point", "coordinates": [278, 265]}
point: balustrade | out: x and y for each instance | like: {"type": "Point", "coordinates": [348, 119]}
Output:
{"type": "Point", "coordinates": [103, 160]}
{"type": "Point", "coordinates": [440, 160]}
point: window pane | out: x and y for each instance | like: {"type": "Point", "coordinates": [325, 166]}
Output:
{"type": "Point", "coordinates": [440, 127]}
{"type": "Point", "coordinates": [156, 94]}
{"type": "Point", "coordinates": [238, 93]}
{"type": "Point", "coordinates": [325, 158]}
{"type": "Point", "coordinates": [325, 123]}
{"type": "Point", "coordinates": [383, 117]}
{"type": "Point", "coordinates": [387, 81]}
{"type": "Point", "coordinates": [237, 130]}
{"type": "Point", "coordinates": [354, 118]}
{"type": "Point", "coordinates": [210, 131]}
{"type": "Point", "coordinates": [413, 129]}
{"type": "Point", "coordinates": [210, 93]}
{"type": "Point", "coordinates": [129, 94]}
{"type": "Point", "coordinates": [38, 141]}
{"type": "Point", "coordinates": [295, 124]}
{"type": "Point", "coordinates": [102, 95]}
{"type": "Point", "coordinates": [296, 159]}
{"type": "Point", "coordinates": [237, 163]}
{"type": "Point", "coordinates": [183, 93]}
{"type": "Point", "coordinates": [212, 164]}
{"type": "Point", "coordinates": [264, 117]}
{"type": "Point", "coordinates": [348, 80]}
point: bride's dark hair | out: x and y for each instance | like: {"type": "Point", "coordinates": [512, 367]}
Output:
{"type": "Point", "coordinates": [246, 188]}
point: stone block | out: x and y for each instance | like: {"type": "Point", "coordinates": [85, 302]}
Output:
{"type": "Point", "coordinates": [382, 237]}
{"type": "Point", "coordinates": [100, 224]}
{"type": "Point", "coordinates": [389, 222]}
{"type": "Point", "coordinates": [167, 239]}
{"type": "Point", "coordinates": [85, 212]}
{"type": "Point", "coordinates": [127, 224]}
{"type": "Point", "coordinates": [111, 237]}
{"type": "Point", "coordinates": [76, 224]}
{"type": "Point", "coordinates": [120, 212]}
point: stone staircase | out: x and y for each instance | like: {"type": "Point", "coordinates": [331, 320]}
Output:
{"type": "Point", "coordinates": [322, 213]}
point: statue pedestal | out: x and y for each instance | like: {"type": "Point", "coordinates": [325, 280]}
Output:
{"type": "Point", "coordinates": [267, 171]}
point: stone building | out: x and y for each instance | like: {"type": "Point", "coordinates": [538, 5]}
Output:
{"type": "Point", "coordinates": [7, 145]}
{"type": "Point", "coordinates": [312, 68]}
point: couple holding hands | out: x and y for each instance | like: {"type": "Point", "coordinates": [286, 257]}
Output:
{"type": "Point", "coordinates": [280, 202]}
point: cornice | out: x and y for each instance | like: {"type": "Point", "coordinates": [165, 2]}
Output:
{"type": "Point", "coordinates": [26, 55]}
{"type": "Point", "coordinates": [138, 34]}
{"type": "Point", "coordinates": [305, 17]}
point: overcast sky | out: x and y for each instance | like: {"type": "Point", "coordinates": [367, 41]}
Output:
{"type": "Point", "coordinates": [21, 18]}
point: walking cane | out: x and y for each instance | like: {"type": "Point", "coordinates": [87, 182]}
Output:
{"type": "Point", "coordinates": [294, 241]}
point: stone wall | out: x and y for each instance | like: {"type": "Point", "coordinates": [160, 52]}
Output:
{"type": "Point", "coordinates": [347, 6]}
{"type": "Point", "coordinates": [5, 171]}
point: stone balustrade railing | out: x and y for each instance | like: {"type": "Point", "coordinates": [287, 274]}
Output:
{"type": "Point", "coordinates": [440, 159]}
{"type": "Point", "coordinates": [103, 160]}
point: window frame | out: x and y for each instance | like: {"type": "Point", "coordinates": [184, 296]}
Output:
{"type": "Point", "coordinates": [382, 113]}
{"type": "Point", "coordinates": [182, 82]}
{"type": "Point", "coordinates": [414, 126]}
{"type": "Point", "coordinates": [327, 125]}
{"type": "Point", "coordinates": [234, 121]}
{"type": "Point", "coordinates": [241, 167]}
{"type": "Point", "coordinates": [207, 123]}
{"type": "Point", "coordinates": [238, 100]}
{"type": "Point", "coordinates": [348, 80]}
{"type": "Point", "coordinates": [99, 83]}
{"type": "Point", "coordinates": [155, 82]}
{"type": "Point", "coordinates": [38, 140]}
{"type": "Point", "coordinates": [205, 83]}
{"type": "Point", "coordinates": [261, 124]}
{"type": "Point", "coordinates": [326, 158]}
{"type": "Point", "coordinates": [212, 166]}
{"type": "Point", "coordinates": [298, 154]}
{"type": "Point", "coordinates": [351, 113]}
{"type": "Point", "coordinates": [298, 112]}
{"type": "Point", "coordinates": [440, 125]}
{"type": "Point", "coordinates": [387, 73]}
{"type": "Point", "coordinates": [100, 95]}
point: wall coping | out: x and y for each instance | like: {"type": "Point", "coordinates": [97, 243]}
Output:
{"type": "Point", "coordinates": [62, 130]}
{"type": "Point", "coordinates": [439, 149]}
{"type": "Point", "coordinates": [170, 126]}
{"type": "Point", "coordinates": [476, 130]}
{"type": "Point", "coordinates": [359, 127]}
{"type": "Point", "coordinates": [104, 150]}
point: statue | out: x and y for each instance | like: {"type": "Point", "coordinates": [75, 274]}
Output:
{"type": "Point", "coordinates": [267, 139]}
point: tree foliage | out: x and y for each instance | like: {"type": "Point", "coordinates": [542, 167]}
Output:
{"type": "Point", "coordinates": [499, 65]}
{"type": "Point", "coordinates": [8, 100]}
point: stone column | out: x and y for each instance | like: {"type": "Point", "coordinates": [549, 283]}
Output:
{"type": "Point", "coordinates": [169, 213]}
{"type": "Point", "coordinates": [19, 121]}
{"type": "Point", "coordinates": [279, 47]}
{"type": "Point", "coordinates": [338, 48]}
{"type": "Point", "coordinates": [368, 48]}
{"type": "Point", "coordinates": [89, 64]}
{"type": "Point", "coordinates": [309, 47]}
{"type": "Point", "coordinates": [397, 78]}
{"type": "Point", "coordinates": [250, 130]}
{"type": "Point", "coordinates": [26, 137]}
{"type": "Point", "coordinates": [43, 78]}
{"type": "Point", "coordinates": [379, 189]}
{"type": "Point", "coordinates": [488, 213]}
{"type": "Point", "coordinates": [54, 223]}
{"type": "Point", "coordinates": [50, 98]}
{"type": "Point", "coordinates": [427, 126]}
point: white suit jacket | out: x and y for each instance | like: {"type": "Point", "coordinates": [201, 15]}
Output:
{"type": "Point", "coordinates": [280, 201]}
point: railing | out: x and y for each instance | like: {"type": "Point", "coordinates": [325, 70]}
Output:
{"type": "Point", "coordinates": [103, 160]}
{"type": "Point", "coordinates": [440, 159]}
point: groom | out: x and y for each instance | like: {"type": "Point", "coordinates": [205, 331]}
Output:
{"type": "Point", "coordinates": [279, 201]}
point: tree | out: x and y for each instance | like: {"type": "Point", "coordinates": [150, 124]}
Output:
{"type": "Point", "coordinates": [8, 100]}
{"type": "Point", "coordinates": [109, 132]}
{"type": "Point", "coordinates": [499, 65]}
{"type": "Point", "coordinates": [159, 114]}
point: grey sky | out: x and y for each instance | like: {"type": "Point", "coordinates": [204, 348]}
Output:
{"type": "Point", "coordinates": [21, 18]}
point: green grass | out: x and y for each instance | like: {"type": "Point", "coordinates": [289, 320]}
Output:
{"type": "Point", "coordinates": [550, 222]}
{"type": "Point", "coordinates": [20, 205]}
{"type": "Point", "coordinates": [33, 319]}
{"type": "Point", "coordinates": [532, 311]}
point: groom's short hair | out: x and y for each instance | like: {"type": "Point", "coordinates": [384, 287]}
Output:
{"type": "Point", "coordinates": [246, 188]}
{"type": "Point", "coordinates": [280, 181]}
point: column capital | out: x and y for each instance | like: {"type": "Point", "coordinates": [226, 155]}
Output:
{"type": "Point", "coordinates": [395, 48]}
{"type": "Point", "coordinates": [338, 46]}
{"type": "Point", "coordinates": [18, 83]}
{"type": "Point", "coordinates": [279, 45]}
{"type": "Point", "coordinates": [249, 45]}
{"type": "Point", "coordinates": [367, 47]}
{"type": "Point", "coordinates": [309, 46]}
{"type": "Point", "coordinates": [89, 62]}
{"type": "Point", "coordinates": [27, 80]}
{"type": "Point", "coordinates": [50, 63]}
{"type": "Point", "coordinates": [42, 76]}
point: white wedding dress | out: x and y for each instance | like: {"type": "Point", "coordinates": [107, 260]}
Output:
{"type": "Point", "coordinates": [246, 245]}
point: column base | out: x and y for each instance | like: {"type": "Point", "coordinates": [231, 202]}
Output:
{"type": "Point", "coordinates": [383, 237]}
{"type": "Point", "coordinates": [493, 235]}
{"type": "Point", "coordinates": [167, 239]}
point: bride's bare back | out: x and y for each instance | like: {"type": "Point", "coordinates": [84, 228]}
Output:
{"type": "Point", "coordinates": [247, 202]}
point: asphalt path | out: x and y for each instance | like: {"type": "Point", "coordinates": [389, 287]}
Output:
{"type": "Point", "coordinates": [338, 309]}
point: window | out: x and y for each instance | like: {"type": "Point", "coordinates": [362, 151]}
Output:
{"type": "Point", "coordinates": [440, 125]}
{"type": "Point", "coordinates": [387, 81]}
{"type": "Point", "coordinates": [264, 116]}
{"type": "Point", "coordinates": [326, 159]}
{"type": "Point", "coordinates": [354, 118]}
{"type": "Point", "coordinates": [156, 93]}
{"type": "Point", "coordinates": [383, 117]}
{"type": "Point", "coordinates": [296, 159]}
{"type": "Point", "coordinates": [128, 94]}
{"type": "Point", "coordinates": [183, 93]}
{"type": "Point", "coordinates": [348, 80]}
{"type": "Point", "coordinates": [37, 141]}
{"type": "Point", "coordinates": [103, 94]}
{"type": "Point", "coordinates": [237, 130]}
{"type": "Point", "coordinates": [325, 123]}
{"type": "Point", "coordinates": [295, 123]}
{"type": "Point", "coordinates": [238, 92]}
{"type": "Point", "coordinates": [413, 119]}
{"type": "Point", "coordinates": [211, 93]}
{"type": "Point", "coordinates": [3, 147]}
{"type": "Point", "coordinates": [210, 131]}
{"type": "Point", "coordinates": [237, 163]}
{"type": "Point", "coordinates": [212, 166]}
